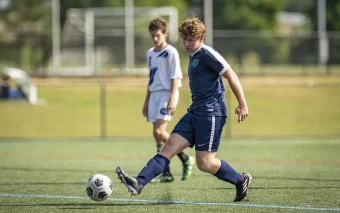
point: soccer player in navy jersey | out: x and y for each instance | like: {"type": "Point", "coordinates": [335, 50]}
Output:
{"type": "Point", "coordinates": [201, 127]}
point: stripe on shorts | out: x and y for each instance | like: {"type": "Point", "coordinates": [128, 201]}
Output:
{"type": "Point", "coordinates": [212, 133]}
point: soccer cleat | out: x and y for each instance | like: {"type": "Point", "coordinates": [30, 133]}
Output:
{"type": "Point", "coordinates": [187, 168]}
{"type": "Point", "coordinates": [130, 182]}
{"type": "Point", "coordinates": [163, 179]}
{"type": "Point", "coordinates": [242, 189]}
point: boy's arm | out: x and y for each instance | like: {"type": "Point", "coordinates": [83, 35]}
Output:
{"type": "Point", "coordinates": [175, 76]}
{"type": "Point", "coordinates": [146, 102]}
{"type": "Point", "coordinates": [235, 85]}
{"type": "Point", "coordinates": [171, 108]}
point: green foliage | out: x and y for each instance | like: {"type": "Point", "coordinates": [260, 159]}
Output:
{"type": "Point", "coordinates": [66, 4]}
{"type": "Point", "coordinates": [29, 15]}
{"type": "Point", "coordinates": [298, 6]}
{"type": "Point", "coordinates": [332, 15]}
{"type": "Point", "coordinates": [246, 14]}
{"type": "Point", "coordinates": [249, 15]}
{"type": "Point", "coordinates": [332, 24]}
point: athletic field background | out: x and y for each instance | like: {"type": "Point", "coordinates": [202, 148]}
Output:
{"type": "Point", "coordinates": [288, 176]}
{"type": "Point", "coordinates": [305, 106]}
{"type": "Point", "coordinates": [289, 143]}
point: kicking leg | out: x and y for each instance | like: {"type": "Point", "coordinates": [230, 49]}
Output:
{"type": "Point", "coordinates": [174, 145]}
{"type": "Point", "coordinates": [155, 166]}
{"type": "Point", "coordinates": [161, 136]}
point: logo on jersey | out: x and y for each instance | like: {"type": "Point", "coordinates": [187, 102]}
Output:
{"type": "Point", "coordinates": [164, 54]}
{"type": "Point", "coordinates": [163, 111]}
{"type": "Point", "coordinates": [152, 75]}
{"type": "Point", "coordinates": [195, 62]}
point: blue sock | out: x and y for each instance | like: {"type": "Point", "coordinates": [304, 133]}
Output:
{"type": "Point", "coordinates": [154, 167]}
{"type": "Point", "coordinates": [228, 174]}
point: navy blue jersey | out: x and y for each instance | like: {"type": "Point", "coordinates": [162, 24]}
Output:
{"type": "Point", "coordinates": [205, 69]}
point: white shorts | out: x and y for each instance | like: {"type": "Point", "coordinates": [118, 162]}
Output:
{"type": "Point", "coordinates": [158, 102]}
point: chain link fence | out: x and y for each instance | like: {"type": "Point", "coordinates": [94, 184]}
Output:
{"type": "Point", "coordinates": [250, 53]}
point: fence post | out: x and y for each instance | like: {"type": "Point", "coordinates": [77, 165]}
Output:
{"type": "Point", "coordinates": [102, 106]}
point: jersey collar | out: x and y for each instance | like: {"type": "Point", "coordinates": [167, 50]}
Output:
{"type": "Point", "coordinates": [160, 49]}
{"type": "Point", "coordinates": [192, 54]}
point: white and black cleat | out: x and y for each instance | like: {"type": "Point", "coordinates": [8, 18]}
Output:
{"type": "Point", "coordinates": [242, 189]}
{"type": "Point", "coordinates": [130, 182]}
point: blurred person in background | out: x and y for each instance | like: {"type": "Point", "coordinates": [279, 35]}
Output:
{"type": "Point", "coordinates": [4, 89]}
{"type": "Point", "coordinates": [201, 127]}
{"type": "Point", "coordinates": [10, 90]}
{"type": "Point", "coordinates": [162, 93]}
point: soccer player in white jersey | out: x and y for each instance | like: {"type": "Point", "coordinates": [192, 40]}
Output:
{"type": "Point", "coordinates": [201, 127]}
{"type": "Point", "coordinates": [162, 93]}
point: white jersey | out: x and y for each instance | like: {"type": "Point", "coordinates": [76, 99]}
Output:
{"type": "Point", "coordinates": [163, 65]}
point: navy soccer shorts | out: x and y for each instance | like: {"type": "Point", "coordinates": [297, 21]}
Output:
{"type": "Point", "coordinates": [203, 132]}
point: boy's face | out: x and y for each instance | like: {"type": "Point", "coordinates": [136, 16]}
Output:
{"type": "Point", "coordinates": [191, 44]}
{"type": "Point", "coordinates": [158, 38]}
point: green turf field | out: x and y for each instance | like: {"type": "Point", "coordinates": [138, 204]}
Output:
{"type": "Point", "coordinates": [288, 176]}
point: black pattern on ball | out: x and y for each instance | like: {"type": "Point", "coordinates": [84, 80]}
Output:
{"type": "Point", "coordinates": [101, 195]}
{"type": "Point", "coordinates": [98, 182]}
{"type": "Point", "coordinates": [89, 191]}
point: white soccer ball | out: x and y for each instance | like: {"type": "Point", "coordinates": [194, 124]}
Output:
{"type": "Point", "coordinates": [99, 187]}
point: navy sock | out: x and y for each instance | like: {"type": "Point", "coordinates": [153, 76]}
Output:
{"type": "Point", "coordinates": [166, 172]}
{"type": "Point", "coordinates": [154, 167]}
{"type": "Point", "coordinates": [228, 174]}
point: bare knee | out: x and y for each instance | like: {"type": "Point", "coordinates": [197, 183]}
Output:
{"type": "Point", "coordinates": [204, 167]}
{"type": "Point", "coordinates": [173, 146]}
{"type": "Point", "coordinates": [158, 134]}
{"type": "Point", "coordinates": [208, 164]}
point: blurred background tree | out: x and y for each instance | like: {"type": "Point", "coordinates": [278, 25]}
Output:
{"type": "Point", "coordinates": [248, 16]}
{"type": "Point", "coordinates": [332, 25]}
{"type": "Point", "coordinates": [249, 27]}
{"type": "Point", "coordinates": [24, 28]}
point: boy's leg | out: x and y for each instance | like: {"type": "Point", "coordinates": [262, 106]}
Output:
{"type": "Point", "coordinates": [155, 166]}
{"type": "Point", "coordinates": [174, 145]}
{"type": "Point", "coordinates": [162, 114]}
{"type": "Point", "coordinates": [207, 162]}
{"type": "Point", "coordinates": [208, 135]}
{"type": "Point", "coordinates": [161, 136]}
{"type": "Point", "coordinates": [166, 177]}
{"type": "Point", "coordinates": [160, 133]}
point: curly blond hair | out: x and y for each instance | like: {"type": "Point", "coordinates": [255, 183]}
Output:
{"type": "Point", "coordinates": [192, 27]}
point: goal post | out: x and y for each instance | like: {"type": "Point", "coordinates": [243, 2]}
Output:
{"type": "Point", "coordinates": [83, 49]}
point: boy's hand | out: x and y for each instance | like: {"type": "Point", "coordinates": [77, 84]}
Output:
{"type": "Point", "coordinates": [171, 108]}
{"type": "Point", "coordinates": [145, 110]}
{"type": "Point", "coordinates": [242, 112]}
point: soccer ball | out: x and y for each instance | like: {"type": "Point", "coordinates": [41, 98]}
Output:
{"type": "Point", "coordinates": [99, 187]}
